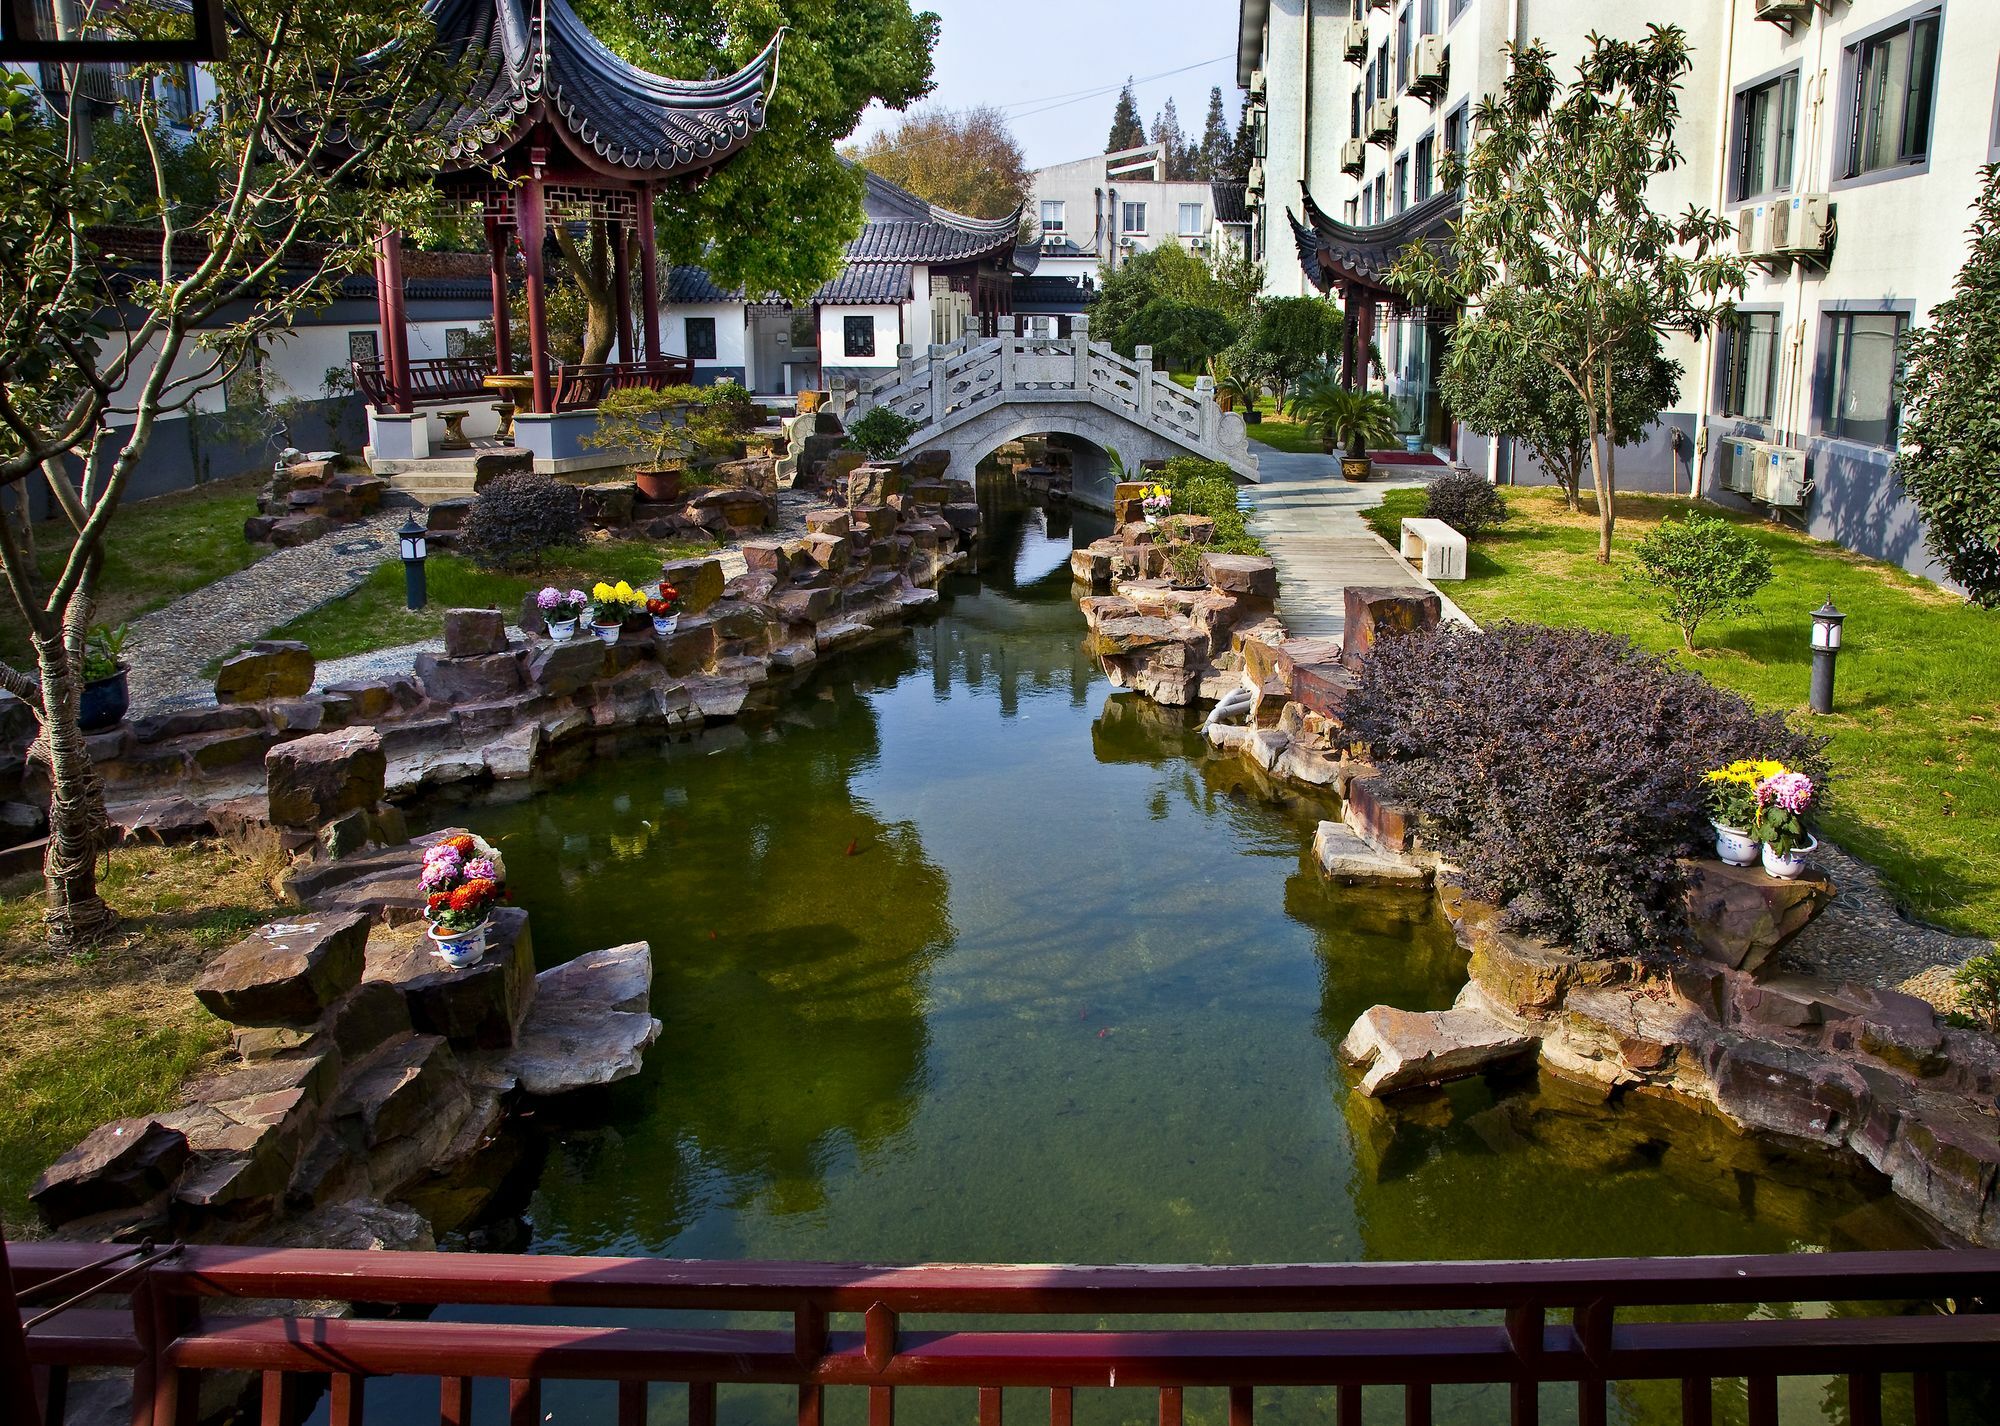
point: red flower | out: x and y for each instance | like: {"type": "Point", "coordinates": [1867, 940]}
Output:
{"type": "Point", "coordinates": [438, 900]}
{"type": "Point", "coordinates": [472, 895]}
{"type": "Point", "coordinates": [462, 844]}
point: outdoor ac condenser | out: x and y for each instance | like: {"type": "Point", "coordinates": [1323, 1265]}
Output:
{"type": "Point", "coordinates": [1752, 238]}
{"type": "Point", "coordinates": [1781, 477]}
{"type": "Point", "coordinates": [1354, 156]}
{"type": "Point", "coordinates": [1356, 48]}
{"type": "Point", "coordinates": [1741, 460]}
{"type": "Point", "coordinates": [1254, 184]}
{"type": "Point", "coordinates": [1801, 224]}
{"type": "Point", "coordinates": [1428, 65]}
{"type": "Point", "coordinates": [1382, 119]}
{"type": "Point", "coordinates": [1257, 85]}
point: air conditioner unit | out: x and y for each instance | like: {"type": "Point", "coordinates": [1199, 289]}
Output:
{"type": "Point", "coordinates": [1781, 477]}
{"type": "Point", "coordinates": [1783, 12]}
{"type": "Point", "coordinates": [1802, 224]}
{"type": "Point", "coordinates": [1353, 156]}
{"type": "Point", "coordinates": [1356, 48]}
{"type": "Point", "coordinates": [1256, 85]}
{"type": "Point", "coordinates": [1254, 182]}
{"type": "Point", "coordinates": [1198, 244]}
{"type": "Point", "coordinates": [1753, 231]}
{"type": "Point", "coordinates": [1427, 65]}
{"type": "Point", "coordinates": [1053, 242]}
{"type": "Point", "coordinates": [1742, 459]}
{"type": "Point", "coordinates": [1382, 121]}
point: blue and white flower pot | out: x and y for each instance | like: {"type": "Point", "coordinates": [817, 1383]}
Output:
{"type": "Point", "coordinates": [665, 624]}
{"type": "Point", "coordinates": [1791, 866]}
{"type": "Point", "coordinates": [459, 949]}
{"type": "Point", "coordinates": [1736, 845]}
{"type": "Point", "coordinates": [562, 630]}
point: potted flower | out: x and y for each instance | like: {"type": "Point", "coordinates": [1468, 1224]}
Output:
{"type": "Point", "coordinates": [665, 607]}
{"type": "Point", "coordinates": [1155, 504]}
{"type": "Point", "coordinates": [463, 879]}
{"type": "Point", "coordinates": [1732, 808]}
{"type": "Point", "coordinates": [105, 696]}
{"type": "Point", "coordinates": [1784, 814]}
{"type": "Point", "coordinates": [610, 606]}
{"type": "Point", "coordinates": [663, 429]}
{"type": "Point", "coordinates": [561, 608]}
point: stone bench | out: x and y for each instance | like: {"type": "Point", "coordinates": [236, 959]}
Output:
{"type": "Point", "coordinates": [1435, 548]}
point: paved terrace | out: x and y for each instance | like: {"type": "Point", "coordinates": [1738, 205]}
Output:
{"type": "Point", "coordinates": [1310, 520]}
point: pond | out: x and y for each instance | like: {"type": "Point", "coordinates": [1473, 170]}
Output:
{"type": "Point", "coordinates": [964, 955]}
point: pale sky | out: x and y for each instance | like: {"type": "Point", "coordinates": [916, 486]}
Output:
{"type": "Point", "coordinates": [1041, 61]}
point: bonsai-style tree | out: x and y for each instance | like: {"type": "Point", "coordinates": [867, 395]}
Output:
{"type": "Point", "coordinates": [1351, 421]}
{"type": "Point", "coordinates": [665, 426]}
{"type": "Point", "coordinates": [1950, 462]}
{"type": "Point", "coordinates": [881, 433]}
{"type": "Point", "coordinates": [1559, 248]}
{"type": "Point", "coordinates": [302, 157]}
{"type": "Point", "coordinates": [1703, 567]}
{"type": "Point", "coordinates": [1505, 388]}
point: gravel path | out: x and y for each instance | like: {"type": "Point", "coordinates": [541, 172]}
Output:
{"type": "Point", "coordinates": [170, 647]}
{"type": "Point", "coordinates": [1863, 938]}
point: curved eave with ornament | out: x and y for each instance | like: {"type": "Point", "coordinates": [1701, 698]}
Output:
{"type": "Point", "coordinates": [551, 126]}
{"type": "Point", "coordinates": [1354, 262]}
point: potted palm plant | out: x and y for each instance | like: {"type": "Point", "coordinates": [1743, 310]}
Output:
{"type": "Point", "coordinates": [1353, 421]}
{"type": "Point", "coordinates": [1236, 391]}
{"type": "Point", "coordinates": [665, 428]}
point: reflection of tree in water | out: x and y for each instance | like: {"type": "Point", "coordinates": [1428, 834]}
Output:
{"type": "Point", "coordinates": [792, 930]}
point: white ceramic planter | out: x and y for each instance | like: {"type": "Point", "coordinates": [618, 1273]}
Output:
{"type": "Point", "coordinates": [459, 949]}
{"type": "Point", "coordinates": [1789, 868]}
{"type": "Point", "coordinates": [665, 624]}
{"type": "Point", "coordinates": [607, 632]}
{"type": "Point", "coordinates": [1734, 845]}
{"type": "Point", "coordinates": [562, 630]}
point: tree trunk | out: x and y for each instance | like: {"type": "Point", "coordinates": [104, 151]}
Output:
{"type": "Point", "coordinates": [1607, 498]}
{"type": "Point", "coordinates": [75, 915]}
{"type": "Point", "coordinates": [592, 271]}
{"type": "Point", "coordinates": [1599, 481]}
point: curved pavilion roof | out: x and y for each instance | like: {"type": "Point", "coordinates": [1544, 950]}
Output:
{"type": "Point", "coordinates": [1335, 253]}
{"type": "Point", "coordinates": [543, 65]}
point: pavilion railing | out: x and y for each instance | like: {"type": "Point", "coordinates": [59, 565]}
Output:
{"type": "Point", "coordinates": [577, 385]}
{"type": "Point", "coordinates": [1514, 1326]}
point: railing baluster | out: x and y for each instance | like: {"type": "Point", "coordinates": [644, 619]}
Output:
{"type": "Point", "coordinates": [1697, 1401]}
{"type": "Point", "coordinates": [1525, 1322]}
{"type": "Point", "coordinates": [1763, 1401]}
{"type": "Point", "coordinates": [524, 1403]}
{"type": "Point", "coordinates": [808, 1346]}
{"type": "Point", "coordinates": [701, 1403]}
{"type": "Point", "coordinates": [1864, 1399]}
{"type": "Point", "coordinates": [454, 1401]}
{"type": "Point", "coordinates": [989, 1406]}
{"type": "Point", "coordinates": [1349, 1412]}
{"type": "Point", "coordinates": [1242, 1406]}
{"type": "Point", "coordinates": [881, 1406]}
{"type": "Point", "coordinates": [55, 1395]}
{"type": "Point", "coordinates": [344, 1399]}
{"type": "Point", "coordinates": [1929, 1397]}
{"type": "Point", "coordinates": [632, 1402]}
{"type": "Point", "coordinates": [1170, 1406]}
{"type": "Point", "coordinates": [1417, 1404]}
{"type": "Point", "coordinates": [1062, 1406]}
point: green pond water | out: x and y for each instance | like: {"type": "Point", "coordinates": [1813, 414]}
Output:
{"type": "Point", "coordinates": [962, 954]}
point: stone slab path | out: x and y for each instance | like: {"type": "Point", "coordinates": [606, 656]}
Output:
{"type": "Point", "coordinates": [1310, 520]}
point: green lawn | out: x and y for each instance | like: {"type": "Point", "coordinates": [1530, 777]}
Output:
{"type": "Point", "coordinates": [374, 616]}
{"type": "Point", "coordinates": [1282, 434]}
{"type": "Point", "coordinates": [1916, 729]}
{"type": "Point", "coordinates": [157, 550]}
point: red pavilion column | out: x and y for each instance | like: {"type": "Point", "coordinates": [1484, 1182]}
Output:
{"type": "Point", "coordinates": [390, 311]}
{"type": "Point", "coordinates": [621, 288]}
{"type": "Point", "coordinates": [503, 320]}
{"type": "Point", "coordinates": [532, 221]}
{"type": "Point", "coordinates": [649, 278]}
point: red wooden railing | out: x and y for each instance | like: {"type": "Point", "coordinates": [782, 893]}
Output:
{"type": "Point", "coordinates": [168, 1339]}
{"type": "Point", "coordinates": [580, 385]}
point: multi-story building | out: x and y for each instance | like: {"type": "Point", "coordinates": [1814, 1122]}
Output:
{"type": "Point", "coordinates": [1102, 209]}
{"type": "Point", "coordinates": [1815, 126]}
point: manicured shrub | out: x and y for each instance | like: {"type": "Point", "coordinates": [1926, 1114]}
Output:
{"type": "Point", "coordinates": [1702, 566]}
{"type": "Point", "coordinates": [1561, 769]}
{"type": "Point", "coordinates": [881, 433]}
{"type": "Point", "coordinates": [519, 518]}
{"type": "Point", "coordinates": [1205, 487]}
{"type": "Point", "coordinates": [1465, 502]}
{"type": "Point", "coordinates": [1978, 982]}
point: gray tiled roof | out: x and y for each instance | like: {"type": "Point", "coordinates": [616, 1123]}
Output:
{"type": "Point", "coordinates": [1227, 196]}
{"type": "Point", "coordinates": [868, 282]}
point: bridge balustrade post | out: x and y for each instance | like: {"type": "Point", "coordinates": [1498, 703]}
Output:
{"type": "Point", "coordinates": [1006, 364]}
{"type": "Point", "coordinates": [1204, 392]}
{"type": "Point", "coordinates": [1144, 357]}
{"type": "Point", "coordinates": [939, 396]}
{"type": "Point", "coordinates": [1080, 345]}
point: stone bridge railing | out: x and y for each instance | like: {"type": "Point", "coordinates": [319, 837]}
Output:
{"type": "Point", "coordinates": [951, 385]}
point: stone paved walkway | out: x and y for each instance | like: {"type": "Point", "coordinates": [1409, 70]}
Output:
{"type": "Point", "coordinates": [170, 647]}
{"type": "Point", "coordinates": [1863, 938]}
{"type": "Point", "coordinates": [1310, 520]}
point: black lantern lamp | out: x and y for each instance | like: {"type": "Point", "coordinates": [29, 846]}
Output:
{"type": "Point", "coordinates": [1825, 649]}
{"type": "Point", "coordinates": [411, 537]}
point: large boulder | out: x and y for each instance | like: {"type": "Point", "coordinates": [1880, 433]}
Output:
{"type": "Point", "coordinates": [1406, 1049]}
{"type": "Point", "coordinates": [1347, 859]}
{"type": "Point", "coordinates": [1376, 611]}
{"type": "Point", "coordinates": [312, 780]}
{"type": "Point", "coordinates": [474, 1007]}
{"type": "Point", "coordinates": [561, 669]}
{"type": "Point", "coordinates": [477, 679]}
{"type": "Point", "coordinates": [269, 668]}
{"type": "Point", "coordinates": [589, 1024]}
{"type": "Point", "coordinates": [288, 972]}
{"type": "Point", "coordinates": [122, 1165]}
{"type": "Point", "coordinates": [699, 581]}
{"type": "Point", "coordinates": [1250, 575]}
{"type": "Point", "coordinates": [1739, 917]}
{"type": "Point", "coordinates": [469, 633]}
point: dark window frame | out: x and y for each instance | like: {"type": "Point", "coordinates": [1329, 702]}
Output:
{"type": "Point", "coordinates": [689, 327]}
{"type": "Point", "coordinates": [1764, 155]}
{"type": "Point", "coordinates": [1736, 373]}
{"type": "Point", "coordinates": [1836, 362]}
{"type": "Point", "coordinates": [857, 334]}
{"type": "Point", "coordinates": [1923, 30]}
{"type": "Point", "coordinates": [1402, 183]}
{"type": "Point", "coordinates": [1424, 166]}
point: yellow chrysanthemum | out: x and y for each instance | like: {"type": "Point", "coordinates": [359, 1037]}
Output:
{"type": "Point", "coordinates": [600, 590]}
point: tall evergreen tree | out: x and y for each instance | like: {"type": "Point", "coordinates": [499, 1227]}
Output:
{"type": "Point", "coordinates": [1243, 152]}
{"type": "Point", "coordinates": [1127, 132]}
{"type": "Point", "coordinates": [1173, 143]}
{"type": "Point", "coordinates": [1215, 156]}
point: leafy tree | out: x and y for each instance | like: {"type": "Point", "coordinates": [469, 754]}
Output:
{"type": "Point", "coordinates": [1172, 272]}
{"type": "Point", "coordinates": [1215, 155]}
{"type": "Point", "coordinates": [1183, 336]}
{"type": "Point", "coordinates": [1173, 143]}
{"type": "Point", "coordinates": [1127, 132]}
{"type": "Point", "coordinates": [882, 433]}
{"type": "Point", "coordinates": [1950, 463]}
{"type": "Point", "coordinates": [96, 348]}
{"type": "Point", "coordinates": [1559, 247]}
{"type": "Point", "coordinates": [964, 160]}
{"type": "Point", "coordinates": [777, 217]}
{"type": "Point", "coordinates": [1500, 387]}
{"type": "Point", "coordinates": [1287, 337]}
{"type": "Point", "coordinates": [1704, 567]}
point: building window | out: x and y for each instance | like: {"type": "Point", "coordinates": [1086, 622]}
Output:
{"type": "Point", "coordinates": [1367, 208]}
{"type": "Point", "coordinates": [175, 88]}
{"type": "Point", "coordinates": [805, 329]}
{"type": "Point", "coordinates": [699, 335]}
{"type": "Point", "coordinates": [1353, 212]}
{"type": "Point", "coordinates": [859, 335]}
{"type": "Point", "coordinates": [364, 346]}
{"type": "Point", "coordinates": [1459, 7]}
{"type": "Point", "coordinates": [1864, 363]}
{"type": "Point", "coordinates": [1055, 213]}
{"type": "Point", "coordinates": [1402, 183]}
{"type": "Point", "coordinates": [1190, 220]}
{"type": "Point", "coordinates": [1403, 50]}
{"type": "Point", "coordinates": [1381, 197]}
{"type": "Point", "coordinates": [1426, 166]}
{"type": "Point", "coordinates": [1367, 95]}
{"type": "Point", "coordinates": [1766, 136]}
{"type": "Point", "coordinates": [1382, 70]}
{"type": "Point", "coordinates": [1132, 218]}
{"type": "Point", "coordinates": [1895, 87]}
{"type": "Point", "coordinates": [455, 339]}
{"type": "Point", "coordinates": [1354, 113]}
{"type": "Point", "coordinates": [1750, 351]}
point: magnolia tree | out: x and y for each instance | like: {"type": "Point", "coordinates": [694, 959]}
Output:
{"type": "Point", "coordinates": [1559, 254]}
{"type": "Point", "coordinates": [225, 235]}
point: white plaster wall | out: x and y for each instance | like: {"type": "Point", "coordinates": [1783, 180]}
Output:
{"type": "Point", "coordinates": [731, 331]}
{"type": "Point", "coordinates": [832, 336]}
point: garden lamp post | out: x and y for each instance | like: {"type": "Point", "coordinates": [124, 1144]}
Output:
{"type": "Point", "coordinates": [411, 536]}
{"type": "Point", "coordinates": [1825, 649]}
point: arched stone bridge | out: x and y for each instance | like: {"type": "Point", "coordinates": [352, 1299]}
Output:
{"type": "Point", "coordinates": [977, 394]}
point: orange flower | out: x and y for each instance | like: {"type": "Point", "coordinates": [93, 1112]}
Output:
{"type": "Point", "coordinates": [462, 844]}
{"type": "Point", "coordinates": [472, 896]}
{"type": "Point", "coordinates": [438, 901]}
